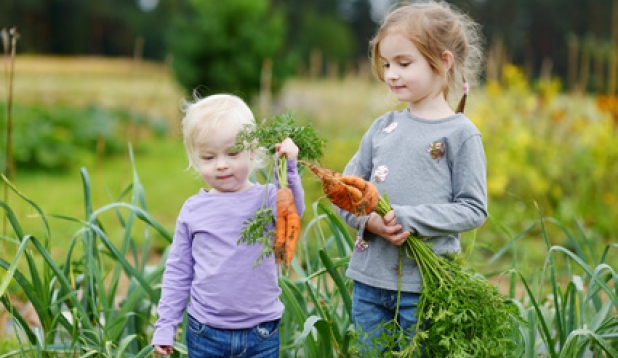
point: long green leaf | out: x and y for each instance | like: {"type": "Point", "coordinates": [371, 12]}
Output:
{"type": "Point", "coordinates": [323, 331]}
{"type": "Point", "coordinates": [343, 289]}
{"type": "Point", "coordinates": [8, 276]}
{"type": "Point", "coordinates": [573, 344]}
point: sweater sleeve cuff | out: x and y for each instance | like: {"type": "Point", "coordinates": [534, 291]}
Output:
{"type": "Point", "coordinates": [362, 223]}
{"type": "Point", "coordinates": [163, 337]}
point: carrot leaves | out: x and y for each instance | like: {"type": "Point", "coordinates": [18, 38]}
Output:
{"type": "Point", "coordinates": [460, 313]}
{"type": "Point", "coordinates": [274, 130]}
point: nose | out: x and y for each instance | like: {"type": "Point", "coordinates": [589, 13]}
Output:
{"type": "Point", "coordinates": [221, 162]}
{"type": "Point", "coordinates": [390, 73]}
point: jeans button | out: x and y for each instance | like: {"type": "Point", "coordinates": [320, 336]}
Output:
{"type": "Point", "coordinates": [263, 331]}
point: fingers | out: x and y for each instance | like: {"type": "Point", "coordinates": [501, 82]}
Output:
{"type": "Point", "coordinates": [287, 147]}
{"type": "Point", "coordinates": [398, 239]}
{"type": "Point", "coordinates": [163, 350]}
{"type": "Point", "coordinates": [390, 219]}
{"type": "Point", "coordinates": [388, 228]}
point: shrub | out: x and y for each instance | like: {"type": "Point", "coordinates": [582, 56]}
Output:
{"type": "Point", "coordinates": [60, 137]}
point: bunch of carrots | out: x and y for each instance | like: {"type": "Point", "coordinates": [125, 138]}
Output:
{"type": "Point", "coordinates": [348, 192]}
{"type": "Point", "coordinates": [287, 222]}
{"type": "Point", "coordinates": [467, 315]}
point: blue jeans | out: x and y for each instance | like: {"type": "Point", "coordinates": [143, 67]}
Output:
{"type": "Point", "coordinates": [261, 341]}
{"type": "Point", "coordinates": [373, 313]}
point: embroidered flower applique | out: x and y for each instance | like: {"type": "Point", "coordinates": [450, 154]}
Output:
{"type": "Point", "coordinates": [437, 150]}
{"type": "Point", "coordinates": [391, 127]}
{"type": "Point", "coordinates": [360, 245]}
{"type": "Point", "coordinates": [381, 173]}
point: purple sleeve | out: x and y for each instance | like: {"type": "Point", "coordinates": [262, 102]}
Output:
{"type": "Point", "coordinates": [176, 285]}
{"type": "Point", "coordinates": [297, 188]}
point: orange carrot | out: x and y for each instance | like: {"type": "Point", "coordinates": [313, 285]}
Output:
{"type": "Point", "coordinates": [349, 192]}
{"type": "Point", "coordinates": [287, 228]}
{"type": "Point", "coordinates": [293, 233]}
{"type": "Point", "coordinates": [368, 200]}
{"type": "Point", "coordinates": [280, 225]}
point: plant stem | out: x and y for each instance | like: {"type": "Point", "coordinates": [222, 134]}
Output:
{"type": "Point", "coordinates": [282, 171]}
{"type": "Point", "coordinates": [9, 168]}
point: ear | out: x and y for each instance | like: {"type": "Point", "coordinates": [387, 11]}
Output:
{"type": "Point", "coordinates": [447, 59]}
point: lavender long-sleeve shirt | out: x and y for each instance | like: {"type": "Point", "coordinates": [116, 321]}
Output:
{"type": "Point", "coordinates": [207, 265]}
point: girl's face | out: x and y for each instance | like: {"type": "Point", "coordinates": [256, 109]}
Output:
{"type": "Point", "coordinates": [222, 168]}
{"type": "Point", "coordinates": [406, 70]}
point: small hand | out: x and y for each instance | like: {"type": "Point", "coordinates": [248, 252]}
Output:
{"type": "Point", "coordinates": [163, 350]}
{"type": "Point", "coordinates": [287, 148]}
{"type": "Point", "coordinates": [388, 228]}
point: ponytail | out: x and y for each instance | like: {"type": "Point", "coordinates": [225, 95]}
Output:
{"type": "Point", "coordinates": [462, 102]}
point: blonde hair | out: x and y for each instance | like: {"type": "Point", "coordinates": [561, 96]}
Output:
{"type": "Point", "coordinates": [435, 27]}
{"type": "Point", "coordinates": [204, 115]}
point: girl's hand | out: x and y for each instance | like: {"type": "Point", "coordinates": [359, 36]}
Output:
{"type": "Point", "coordinates": [388, 228]}
{"type": "Point", "coordinates": [163, 350]}
{"type": "Point", "coordinates": [287, 148]}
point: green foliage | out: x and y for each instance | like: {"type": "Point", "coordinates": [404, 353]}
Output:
{"type": "Point", "coordinates": [221, 46]}
{"type": "Point", "coordinates": [75, 299]}
{"type": "Point", "coordinates": [460, 314]}
{"type": "Point", "coordinates": [467, 315]}
{"type": "Point", "coordinates": [332, 37]}
{"type": "Point", "coordinates": [270, 132]}
{"type": "Point", "coordinates": [569, 304]}
{"type": "Point", "coordinates": [60, 137]}
{"type": "Point", "coordinates": [257, 230]}
{"type": "Point", "coordinates": [548, 149]}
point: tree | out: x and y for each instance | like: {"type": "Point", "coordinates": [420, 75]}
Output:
{"type": "Point", "coordinates": [220, 46]}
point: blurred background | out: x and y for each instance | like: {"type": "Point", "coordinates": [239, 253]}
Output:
{"type": "Point", "coordinates": [84, 78]}
{"type": "Point", "coordinates": [304, 37]}
{"type": "Point", "coordinates": [90, 115]}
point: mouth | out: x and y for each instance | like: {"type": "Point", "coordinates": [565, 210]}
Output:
{"type": "Point", "coordinates": [224, 177]}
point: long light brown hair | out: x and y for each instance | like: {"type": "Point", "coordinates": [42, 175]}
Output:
{"type": "Point", "coordinates": [435, 27]}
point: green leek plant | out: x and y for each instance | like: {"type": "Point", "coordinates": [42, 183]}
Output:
{"type": "Point", "coordinates": [317, 319]}
{"type": "Point", "coordinates": [76, 299]}
{"type": "Point", "coordinates": [576, 317]}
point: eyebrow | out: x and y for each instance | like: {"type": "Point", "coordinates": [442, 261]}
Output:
{"type": "Point", "coordinates": [398, 58]}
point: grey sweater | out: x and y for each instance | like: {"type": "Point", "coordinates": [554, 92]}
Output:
{"type": "Point", "coordinates": [434, 173]}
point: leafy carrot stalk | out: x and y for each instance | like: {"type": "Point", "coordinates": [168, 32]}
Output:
{"type": "Point", "coordinates": [460, 313]}
{"type": "Point", "coordinates": [348, 192]}
{"type": "Point", "coordinates": [258, 229]}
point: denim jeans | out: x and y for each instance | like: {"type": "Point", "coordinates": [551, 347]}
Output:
{"type": "Point", "coordinates": [261, 341]}
{"type": "Point", "coordinates": [373, 313]}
